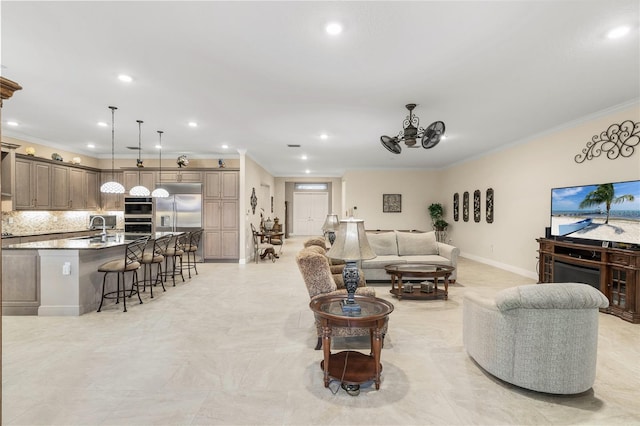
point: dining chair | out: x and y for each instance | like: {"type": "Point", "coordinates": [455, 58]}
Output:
{"type": "Point", "coordinates": [261, 249]}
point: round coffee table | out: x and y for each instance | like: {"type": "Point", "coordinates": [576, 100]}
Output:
{"type": "Point", "coordinates": [399, 271]}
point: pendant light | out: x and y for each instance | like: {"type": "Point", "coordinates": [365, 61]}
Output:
{"type": "Point", "coordinates": [140, 190]}
{"type": "Point", "coordinates": [160, 192]}
{"type": "Point", "coordinates": [112, 187]}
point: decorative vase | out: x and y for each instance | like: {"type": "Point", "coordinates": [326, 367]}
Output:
{"type": "Point", "coordinates": [182, 161]}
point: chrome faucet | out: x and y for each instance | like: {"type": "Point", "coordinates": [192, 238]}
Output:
{"type": "Point", "coordinates": [103, 234]}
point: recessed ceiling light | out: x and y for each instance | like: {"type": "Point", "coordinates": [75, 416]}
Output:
{"type": "Point", "coordinates": [225, 146]}
{"type": "Point", "coordinates": [324, 136]}
{"type": "Point", "coordinates": [12, 123]}
{"type": "Point", "coordinates": [304, 157]}
{"type": "Point", "coordinates": [90, 145]}
{"type": "Point", "coordinates": [333, 28]}
{"type": "Point", "coordinates": [307, 171]}
{"type": "Point", "coordinates": [102, 124]}
{"type": "Point", "coordinates": [125, 78]}
{"type": "Point", "coordinates": [158, 146]}
{"type": "Point", "coordinates": [193, 124]}
{"type": "Point", "coordinates": [618, 32]}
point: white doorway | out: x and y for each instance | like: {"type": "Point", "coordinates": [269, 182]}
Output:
{"type": "Point", "coordinates": [310, 209]}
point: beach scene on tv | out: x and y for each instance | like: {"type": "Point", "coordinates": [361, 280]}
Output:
{"type": "Point", "coordinates": [606, 212]}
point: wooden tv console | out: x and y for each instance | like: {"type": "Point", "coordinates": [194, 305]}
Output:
{"type": "Point", "coordinates": [618, 270]}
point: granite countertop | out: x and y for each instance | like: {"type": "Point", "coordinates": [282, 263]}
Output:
{"type": "Point", "coordinates": [78, 243]}
{"type": "Point", "coordinates": [83, 243]}
{"type": "Point", "coordinates": [36, 234]}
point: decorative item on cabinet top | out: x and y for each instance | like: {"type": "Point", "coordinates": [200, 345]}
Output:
{"type": "Point", "coordinates": [182, 161]}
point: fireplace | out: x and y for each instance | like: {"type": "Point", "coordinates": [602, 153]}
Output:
{"type": "Point", "coordinates": [567, 273]}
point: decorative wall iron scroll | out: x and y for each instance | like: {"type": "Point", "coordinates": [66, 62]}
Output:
{"type": "Point", "coordinates": [476, 205]}
{"type": "Point", "coordinates": [253, 200]}
{"type": "Point", "coordinates": [489, 201]}
{"type": "Point", "coordinates": [456, 206]}
{"type": "Point", "coordinates": [618, 140]}
{"type": "Point", "coordinates": [465, 206]}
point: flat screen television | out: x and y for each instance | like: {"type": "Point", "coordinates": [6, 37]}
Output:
{"type": "Point", "coordinates": [597, 213]}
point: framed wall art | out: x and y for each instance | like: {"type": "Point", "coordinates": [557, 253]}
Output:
{"type": "Point", "coordinates": [465, 206]}
{"type": "Point", "coordinates": [391, 203]}
{"type": "Point", "coordinates": [476, 205]}
{"type": "Point", "coordinates": [489, 202]}
{"type": "Point", "coordinates": [456, 206]}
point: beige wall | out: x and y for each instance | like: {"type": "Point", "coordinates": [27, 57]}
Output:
{"type": "Point", "coordinates": [364, 189]}
{"type": "Point", "coordinates": [522, 177]}
{"type": "Point", "coordinates": [255, 176]}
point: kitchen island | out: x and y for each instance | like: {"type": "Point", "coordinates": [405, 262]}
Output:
{"type": "Point", "coordinates": [57, 277]}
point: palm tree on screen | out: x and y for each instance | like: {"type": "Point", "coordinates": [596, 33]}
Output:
{"type": "Point", "coordinates": [604, 194]}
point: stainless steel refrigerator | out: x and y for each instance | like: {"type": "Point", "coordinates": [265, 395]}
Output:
{"type": "Point", "coordinates": [181, 210]}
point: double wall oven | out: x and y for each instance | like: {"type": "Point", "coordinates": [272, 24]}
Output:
{"type": "Point", "coordinates": [138, 215]}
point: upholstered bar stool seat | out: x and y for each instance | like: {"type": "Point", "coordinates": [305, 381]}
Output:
{"type": "Point", "coordinates": [190, 249]}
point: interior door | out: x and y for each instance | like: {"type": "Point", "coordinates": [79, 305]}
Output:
{"type": "Point", "coordinates": [309, 212]}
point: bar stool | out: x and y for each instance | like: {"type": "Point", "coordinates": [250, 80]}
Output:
{"type": "Point", "coordinates": [191, 248]}
{"type": "Point", "coordinates": [131, 263]}
{"type": "Point", "coordinates": [155, 256]}
{"type": "Point", "coordinates": [174, 252]}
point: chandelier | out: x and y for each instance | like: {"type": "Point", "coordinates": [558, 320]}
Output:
{"type": "Point", "coordinates": [411, 133]}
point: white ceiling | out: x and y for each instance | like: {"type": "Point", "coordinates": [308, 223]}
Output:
{"type": "Point", "coordinates": [261, 75]}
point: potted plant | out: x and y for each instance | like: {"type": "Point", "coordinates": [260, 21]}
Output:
{"type": "Point", "coordinates": [436, 211]}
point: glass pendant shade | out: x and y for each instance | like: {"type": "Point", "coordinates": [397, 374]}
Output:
{"type": "Point", "coordinates": [112, 187]}
{"type": "Point", "coordinates": [140, 190]}
{"type": "Point", "coordinates": [160, 192]}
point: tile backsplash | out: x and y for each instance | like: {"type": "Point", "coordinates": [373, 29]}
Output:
{"type": "Point", "coordinates": [39, 222]}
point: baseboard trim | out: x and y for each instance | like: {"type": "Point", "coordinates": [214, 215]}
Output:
{"type": "Point", "coordinates": [500, 265]}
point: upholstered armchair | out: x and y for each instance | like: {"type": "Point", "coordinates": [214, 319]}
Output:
{"type": "Point", "coordinates": [542, 337]}
{"type": "Point", "coordinates": [316, 273]}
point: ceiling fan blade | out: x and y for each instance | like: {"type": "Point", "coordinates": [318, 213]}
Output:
{"type": "Point", "coordinates": [433, 134]}
{"type": "Point", "coordinates": [391, 144]}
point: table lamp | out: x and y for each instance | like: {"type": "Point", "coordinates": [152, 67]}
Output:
{"type": "Point", "coordinates": [351, 245]}
{"type": "Point", "coordinates": [330, 227]}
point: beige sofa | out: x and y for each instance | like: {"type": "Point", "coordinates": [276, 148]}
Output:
{"type": "Point", "coordinates": [542, 337]}
{"type": "Point", "coordinates": [405, 247]}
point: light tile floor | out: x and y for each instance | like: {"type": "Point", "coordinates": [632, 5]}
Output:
{"type": "Point", "coordinates": [234, 345]}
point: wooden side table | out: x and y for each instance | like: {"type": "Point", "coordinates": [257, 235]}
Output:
{"type": "Point", "coordinates": [352, 367]}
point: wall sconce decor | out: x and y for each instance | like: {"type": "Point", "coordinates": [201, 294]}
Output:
{"type": "Point", "coordinates": [253, 200]}
{"type": "Point", "coordinates": [465, 206]}
{"type": "Point", "coordinates": [619, 140]}
{"type": "Point", "coordinates": [456, 206]}
{"type": "Point", "coordinates": [489, 201]}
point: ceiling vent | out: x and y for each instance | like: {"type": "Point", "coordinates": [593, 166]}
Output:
{"type": "Point", "coordinates": [294, 146]}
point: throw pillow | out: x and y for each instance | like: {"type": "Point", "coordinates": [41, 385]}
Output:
{"type": "Point", "coordinates": [383, 244]}
{"type": "Point", "coordinates": [416, 243]}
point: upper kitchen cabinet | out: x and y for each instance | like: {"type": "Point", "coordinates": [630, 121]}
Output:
{"type": "Point", "coordinates": [32, 185]}
{"type": "Point", "coordinates": [139, 177]}
{"type": "Point", "coordinates": [180, 176]}
{"type": "Point", "coordinates": [8, 168]}
{"type": "Point", "coordinates": [42, 184]}
{"type": "Point", "coordinates": [221, 185]}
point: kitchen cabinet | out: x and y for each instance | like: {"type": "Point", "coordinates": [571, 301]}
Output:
{"type": "Point", "coordinates": [91, 190]}
{"type": "Point", "coordinates": [221, 185]}
{"type": "Point", "coordinates": [221, 215]}
{"type": "Point", "coordinates": [112, 201]}
{"type": "Point", "coordinates": [179, 176]}
{"type": "Point", "coordinates": [139, 177]}
{"type": "Point", "coordinates": [33, 181]}
{"type": "Point", "coordinates": [60, 187]}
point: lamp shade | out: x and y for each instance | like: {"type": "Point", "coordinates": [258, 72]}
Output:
{"type": "Point", "coordinates": [331, 223]}
{"type": "Point", "coordinates": [139, 191]}
{"type": "Point", "coordinates": [351, 242]}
